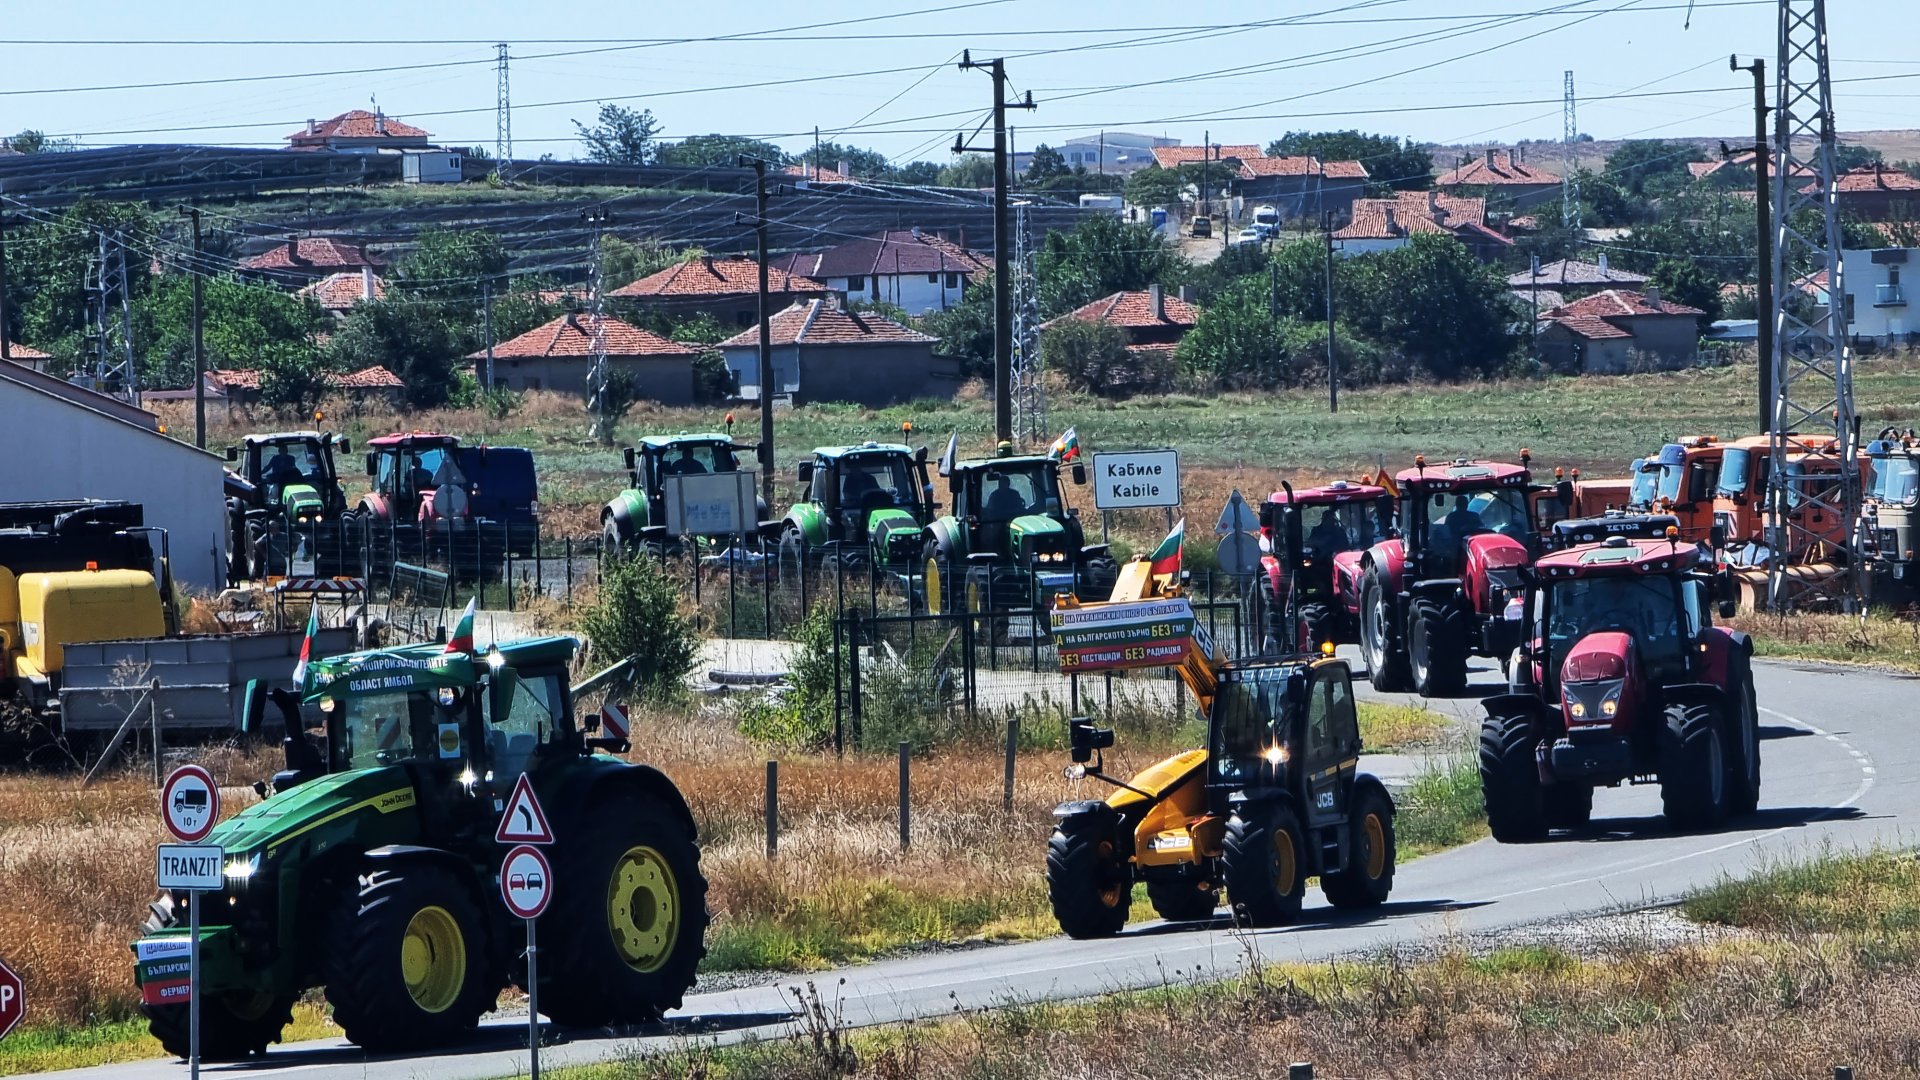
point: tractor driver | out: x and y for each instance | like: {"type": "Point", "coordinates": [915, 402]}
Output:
{"type": "Point", "coordinates": [1462, 522]}
{"type": "Point", "coordinates": [1328, 537]}
{"type": "Point", "coordinates": [280, 471]}
{"type": "Point", "coordinates": [1004, 503]}
{"type": "Point", "coordinates": [684, 464]}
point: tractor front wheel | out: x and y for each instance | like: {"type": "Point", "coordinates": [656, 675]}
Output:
{"type": "Point", "coordinates": [1510, 780]}
{"type": "Point", "coordinates": [793, 557]}
{"type": "Point", "coordinates": [1097, 578]}
{"type": "Point", "coordinates": [1694, 778]}
{"type": "Point", "coordinates": [233, 1026]}
{"type": "Point", "coordinates": [1379, 640]}
{"type": "Point", "coordinates": [1746, 782]}
{"type": "Point", "coordinates": [1316, 627]}
{"type": "Point", "coordinates": [1367, 879]}
{"type": "Point", "coordinates": [631, 917]}
{"type": "Point", "coordinates": [1437, 648]}
{"type": "Point", "coordinates": [409, 957]}
{"type": "Point", "coordinates": [612, 544]}
{"type": "Point", "coordinates": [1181, 900]}
{"type": "Point", "coordinates": [1087, 879]}
{"type": "Point", "coordinates": [1264, 863]}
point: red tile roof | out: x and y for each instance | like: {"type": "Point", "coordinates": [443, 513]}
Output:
{"type": "Point", "coordinates": [1591, 326]}
{"type": "Point", "coordinates": [313, 253]}
{"type": "Point", "coordinates": [819, 174]}
{"type": "Point", "coordinates": [1500, 170]}
{"type": "Point", "coordinates": [372, 378]}
{"type": "Point", "coordinates": [708, 276]}
{"type": "Point", "coordinates": [357, 124]}
{"type": "Point", "coordinates": [898, 251]}
{"type": "Point", "coordinates": [1134, 311]}
{"type": "Point", "coordinates": [339, 292]}
{"type": "Point", "coordinates": [1871, 178]}
{"type": "Point", "coordinates": [1416, 212]}
{"type": "Point", "coordinates": [1621, 303]}
{"type": "Point", "coordinates": [572, 336]}
{"type": "Point", "coordinates": [17, 351]}
{"type": "Point", "coordinates": [1574, 272]}
{"type": "Point", "coordinates": [820, 322]}
{"type": "Point", "coordinates": [234, 378]}
{"type": "Point", "coordinates": [1169, 156]}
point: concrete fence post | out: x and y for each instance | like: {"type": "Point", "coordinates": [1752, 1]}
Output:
{"type": "Point", "coordinates": [1013, 750]}
{"type": "Point", "coordinates": [906, 809]}
{"type": "Point", "coordinates": [773, 809]}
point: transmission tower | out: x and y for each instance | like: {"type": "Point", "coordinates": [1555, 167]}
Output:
{"type": "Point", "coordinates": [598, 374]}
{"type": "Point", "coordinates": [110, 319]}
{"type": "Point", "coordinates": [1812, 368]}
{"type": "Point", "coordinates": [503, 120]}
{"type": "Point", "coordinates": [1029, 393]}
{"type": "Point", "coordinates": [1569, 187]}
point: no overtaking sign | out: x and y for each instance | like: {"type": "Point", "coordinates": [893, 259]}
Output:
{"type": "Point", "coordinates": [1136, 478]}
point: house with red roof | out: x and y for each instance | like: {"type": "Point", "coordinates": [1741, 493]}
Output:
{"type": "Point", "coordinates": [1618, 331]}
{"type": "Point", "coordinates": [1152, 323]}
{"type": "Point", "coordinates": [338, 294]}
{"type": "Point", "coordinates": [358, 131]}
{"type": "Point", "coordinates": [26, 356]}
{"type": "Point", "coordinates": [824, 352]}
{"type": "Point", "coordinates": [559, 356]}
{"type": "Point", "coordinates": [1502, 176]}
{"type": "Point", "coordinates": [1387, 224]}
{"type": "Point", "coordinates": [1875, 192]}
{"type": "Point", "coordinates": [726, 288]}
{"type": "Point", "coordinates": [914, 270]}
{"type": "Point", "coordinates": [299, 260]}
{"type": "Point", "coordinates": [1573, 279]}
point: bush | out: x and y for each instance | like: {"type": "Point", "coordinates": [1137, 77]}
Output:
{"type": "Point", "coordinates": [637, 613]}
{"type": "Point", "coordinates": [802, 717]}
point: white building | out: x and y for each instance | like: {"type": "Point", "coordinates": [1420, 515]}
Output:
{"type": "Point", "coordinates": [66, 442]}
{"type": "Point", "coordinates": [1877, 293]}
{"type": "Point", "coordinates": [916, 271]}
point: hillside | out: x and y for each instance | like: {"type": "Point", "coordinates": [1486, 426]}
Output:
{"type": "Point", "coordinates": [1898, 144]}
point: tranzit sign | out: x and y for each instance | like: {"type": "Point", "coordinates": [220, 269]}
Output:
{"type": "Point", "coordinates": [1135, 479]}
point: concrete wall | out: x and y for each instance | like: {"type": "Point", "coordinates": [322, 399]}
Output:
{"type": "Point", "coordinates": [1563, 350]}
{"type": "Point", "coordinates": [917, 294]}
{"type": "Point", "coordinates": [1675, 339]}
{"type": "Point", "coordinates": [57, 449]}
{"type": "Point", "coordinates": [872, 375]}
{"type": "Point", "coordinates": [1880, 287]}
{"type": "Point", "coordinates": [667, 380]}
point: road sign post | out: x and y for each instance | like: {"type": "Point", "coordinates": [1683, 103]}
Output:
{"type": "Point", "coordinates": [13, 999]}
{"type": "Point", "coordinates": [526, 884]}
{"type": "Point", "coordinates": [190, 806]}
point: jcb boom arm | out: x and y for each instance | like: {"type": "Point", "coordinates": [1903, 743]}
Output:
{"type": "Point", "coordinates": [1146, 623]}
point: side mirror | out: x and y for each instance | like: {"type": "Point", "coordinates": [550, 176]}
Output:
{"type": "Point", "coordinates": [1083, 739]}
{"type": "Point", "coordinates": [1290, 535]}
{"type": "Point", "coordinates": [501, 683]}
{"type": "Point", "coordinates": [233, 453]}
{"type": "Point", "coordinates": [626, 454]}
{"type": "Point", "coordinates": [253, 705]}
{"type": "Point", "coordinates": [1079, 474]}
{"type": "Point", "coordinates": [1729, 608]}
{"type": "Point", "coordinates": [920, 456]}
{"type": "Point", "coordinates": [953, 485]}
{"type": "Point", "coordinates": [373, 464]}
{"type": "Point", "coordinates": [804, 472]}
{"type": "Point", "coordinates": [341, 444]}
{"type": "Point", "coordinates": [1717, 536]}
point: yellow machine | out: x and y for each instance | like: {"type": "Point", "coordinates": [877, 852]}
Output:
{"type": "Point", "coordinates": [40, 612]}
{"type": "Point", "coordinates": [1273, 799]}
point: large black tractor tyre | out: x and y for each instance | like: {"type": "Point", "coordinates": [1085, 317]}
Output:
{"type": "Point", "coordinates": [1744, 793]}
{"type": "Point", "coordinates": [1264, 859]}
{"type": "Point", "coordinates": [1695, 781]}
{"type": "Point", "coordinates": [612, 544]}
{"type": "Point", "coordinates": [409, 959]}
{"type": "Point", "coordinates": [1567, 806]}
{"type": "Point", "coordinates": [1380, 641]}
{"type": "Point", "coordinates": [1367, 879]}
{"type": "Point", "coordinates": [1317, 626]}
{"type": "Point", "coordinates": [1097, 577]}
{"type": "Point", "coordinates": [1181, 900]}
{"type": "Point", "coordinates": [233, 1027]}
{"type": "Point", "coordinates": [793, 558]}
{"type": "Point", "coordinates": [1088, 880]}
{"type": "Point", "coordinates": [627, 931]}
{"type": "Point", "coordinates": [1510, 785]}
{"type": "Point", "coordinates": [1437, 648]}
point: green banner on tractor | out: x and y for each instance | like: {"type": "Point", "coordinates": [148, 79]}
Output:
{"type": "Point", "coordinates": [389, 672]}
{"type": "Point", "coordinates": [1119, 636]}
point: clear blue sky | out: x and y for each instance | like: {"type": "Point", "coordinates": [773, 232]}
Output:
{"type": "Point", "coordinates": [1327, 64]}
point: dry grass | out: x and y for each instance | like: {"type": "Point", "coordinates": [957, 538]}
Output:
{"type": "Point", "coordinates": [1880, 638]}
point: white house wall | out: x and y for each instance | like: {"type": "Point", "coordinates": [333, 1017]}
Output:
{"type": "Point", "coordinates": [912, 293]}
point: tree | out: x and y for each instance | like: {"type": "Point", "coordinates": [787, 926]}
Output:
{"type": "Point", "coordinates": [622, 137]}
{"type": "Point", "coordinates": [637, 613]}
{"type": "Point", "coordinates": [421, 349]}
{"type": "Point", "coordinates": [623, 262]}
{"type": "Point", "coordinates": [292, 380]}
{"type": "Point", "coordinates": [917, 173]}
{"type": "Point", "coordinates": [30, 141]}
{"type": "Point", "coordinates": [1102, 255]}
{"type": "Point", "coordinates": [1393, 164]}
{"type": "Point", "coordinates": [1046, 164]}
{"type": "Point", "coordinates": [1237, 343]}
{"type": "Point", "coordinates": [1091, 354]}
{"type": "Point", "coordinates": [244, 326]}
{"type": "Point", "coordinates": [1640, 162]}
{"type": "Point", "coordinates": [1154, 186]}
{"type": "Point", "coordinates": [699, 151]}
{"type": "Point", "coordinates": [967, 171]}
{"type": "Point", "coordinates": [1443, 309]}
{"type": "Point", "coordinates": [452, 264]}
{"type": "Point", "coordinates": [1212, 177]}
{"type": "Point", "coordinates": [1853, 156]}
{"type": "Point", "coordinates": [1684, 282]}
{"type": "Point", "coordinates": [965, 330]}
{"type": "Point", "coordinates": [48, 264]}
{"type": "Point", "coordinates": [871, 164]}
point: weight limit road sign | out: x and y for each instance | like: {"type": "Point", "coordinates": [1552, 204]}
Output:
{"type": "Point", "coordinates": [526, 881]}
{"type": "Point", "coordinates": [190, 803]}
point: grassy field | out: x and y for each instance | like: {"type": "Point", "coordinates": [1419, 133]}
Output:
{"type": "Point", "coordinates": [840, 891]}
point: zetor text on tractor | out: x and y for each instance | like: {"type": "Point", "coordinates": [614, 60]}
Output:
{"type": "Point", "coordinates": [1622, 678]}
{"type": "Point", "coordinates": [1437, 592]}
{"type": "Point", "coordinates": [1313, 598]}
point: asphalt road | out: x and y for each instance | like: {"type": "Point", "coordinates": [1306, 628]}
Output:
{"type": "Point", "coordinates": [1833, 753]}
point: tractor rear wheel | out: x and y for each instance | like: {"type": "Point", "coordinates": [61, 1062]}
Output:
{"type": "Point", "coordinates": [632, 917]}
{"type": "Point", "coordinates": [1317, 625]}
{"type": "Point", "coordinates": [1264, 859]}
{"type": "Point", "coordinates": [233, 1026]}
{"type": "Point", "coordinates": [1097, 577]}
{"type": "Point", "coordinates": [1694, 778]}
{"type": "Point", "coordinates": [1510, 780]}
{"type": "Point", "coordinates": [1367, 878]}
{"type": "Point", "coordinates": [1181, 900]}
{"type": "Point", "coordinates": [1386, 657]}
{"type": "Point", "coordinates": [1087, 879]}
{"type": "Point", "coordinates": [409, 956]}
{"type": "Point", "coordinates": [1567, 805]}
{"type": "Point", "coordinates": [1437, 648]}
{"type": "Point", "coordinates": [1745, 798]}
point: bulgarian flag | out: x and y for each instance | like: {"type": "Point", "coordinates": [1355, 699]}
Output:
{"type": "Point", "coordinates": [1165, 560]}
{"type": "Point", "coordinates": [1066, 447]}
{"type": "Point", "coordinates": [306, 649]}
{"type": "Point", "coordinates": [462, 639]}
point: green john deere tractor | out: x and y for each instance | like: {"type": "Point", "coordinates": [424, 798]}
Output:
{"type": "Point", "coordinates": [866, 505]}
{"type": "Point", "coordinates": [371, 869]}
{"type": "Point", "coordinates": [1011, 541]}
{"type": "Point", "coordinates": [637, 517]}
{"type": "Point", "coordinates": [288, 499]}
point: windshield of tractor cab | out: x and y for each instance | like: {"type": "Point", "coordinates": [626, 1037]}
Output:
{"type": "Point", "coordinates": [432, 468]}
{"type": "Point", "coordinates": [1000, 493]}
{"type": "Point", "coordinates": [1247, 714]}
{"type": "Point", "coordinates": [281, 464]}
{"type": "Point", "coordinates": [1646, 485]}
{"type": "Point", "coordinates": [1734, 467]}
{"type": "Point", "coordinates": [693, 458]}
{"type": "Point", "coordinates": [1896, 479]}
{"type": "Point", "coordinates": [529, 722]}
{"type": "Point", "coordinates": [1645, 608]}
{"type": "Point", "coordinates": [872, 481]}
{"type": "Point", "coordinates": [1333, 529]}
{"type": "Point", "coordinates": [1452, 516]}
{"type": "Point", "coordinates": [386, 729]}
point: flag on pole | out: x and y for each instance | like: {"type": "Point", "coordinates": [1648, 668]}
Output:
{"type": "Point", "coordinates": [952, 455]}
{"type": "Point", "coordinates": [1066, 447]}
{"type": "Point", "coordinates": [462, 639]}
{"type": "Point", "coordinates": [306, 649]}
{"type": "Point", "coordinates": [1165, 560]}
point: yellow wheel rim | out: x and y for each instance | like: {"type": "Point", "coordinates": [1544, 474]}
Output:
{"type": "Point", "coordinates": [433, 959]}
{"type": "Point", "coordinates": [643, 909]}
{"type": "Point", "coordinates": [1376, 847]}
{"type": "Point", "coordinates": [1111, 893]}
{"type": "Point", "coordinates": [935, 600]}
{"type": "Point", "coordinates": [976, 600]}
{"type": "Point", "coordinates": [1285, 867]}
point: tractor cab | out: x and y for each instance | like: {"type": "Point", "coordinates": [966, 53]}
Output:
{"type": "Point", "coordinates": [1442, 509]}
{"type": "Point", "coordinates": [418, 477]}
{"type": "Point", "coordinates": [1887, 515]}
{"type": "Point", "coordinates": [1311, 587]}
{"type": "Point", "coordinates": [294, 472]}
{"type": "Point", "coordinates": [638, 515]}
{"type": "Point", "coordinates": [870, 501]}
{"type": "Point", "coordinates": [1680, 479]}
{"type": "Point", "coordinates": [1012, 539]}
{"type": "Point", "coordinates": [1288, 726]}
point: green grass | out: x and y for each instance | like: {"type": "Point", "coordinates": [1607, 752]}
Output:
{"type": "Point", "coordinates": [861, 920]}
{"type": "Point", "coordinates": [1880, 639]}
{"type": "Point", "coordinates": [1876, 892]}
{"type": "Point", "coordinates": [35, 1048]}
{"type": "Point", "coordinates": [1441, 809]}
{"type": "Point", "coordinates": [1397, 727]}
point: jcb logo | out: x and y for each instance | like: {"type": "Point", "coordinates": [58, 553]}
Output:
{"type": "Point", "coordinates": [1326, 800]}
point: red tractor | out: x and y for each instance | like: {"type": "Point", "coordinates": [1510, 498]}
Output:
{"type": "Point", "coordinates": [418, 480]}
{"type": "Point", "coordinates": [1623, 679]}
{"type": "Point", "coordinates": [1437, 590]}
{"type": "Point", "coordinates": [1312, 596]}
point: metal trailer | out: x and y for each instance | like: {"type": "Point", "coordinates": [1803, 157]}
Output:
{"type": "Point", "coordinates": [202, 679]}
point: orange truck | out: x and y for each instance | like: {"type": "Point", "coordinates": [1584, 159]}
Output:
{"type": "Point", "coordinates": [1815, 473]}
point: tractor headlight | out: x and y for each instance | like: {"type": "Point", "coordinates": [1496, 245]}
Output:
{"type": "Point", "coordinates": [242, 869]}
{"type": "Point", "coordinates": [1595, 702]}
{"type": "Point", "coordinates": [1074, 772]}
{"type": "Point", "coordinates": [1276, 754]}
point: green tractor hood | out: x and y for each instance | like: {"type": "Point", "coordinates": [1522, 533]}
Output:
{"type": "Point", "coordinates": [302, 500]}
{"type": "Point", "coordinates": [894, 533]}
{"type": "Point", "coordinates": [373, 806]}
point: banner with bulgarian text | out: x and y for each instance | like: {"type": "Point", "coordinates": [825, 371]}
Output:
{"type": "Point", "coordinates": [1130, 634]}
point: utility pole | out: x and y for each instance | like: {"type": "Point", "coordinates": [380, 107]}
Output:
{"type": "Point", "coordinates": [1333, 367]}
{"type": "Point", "coordinates": [598, 376]}
{"type": "Point", "coordinates": [759, 166]}
{"type": "Point", "coordinates": [1002, 245]}
{"type": "Point", "coordinates": [199, 339]}
{"type": "Point", "coordinates": [6, 335]}
{"type": "Point", "coordinates": [486, 305]}
{"type": "Point", "coordinates": [503, 121]}
{"type": "Point", "coordinates": [1763, 212]}
{"type": "Point", "coordinates": [1206, 168]}
{"type": "Point", "coordinates": [1569, 187]}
